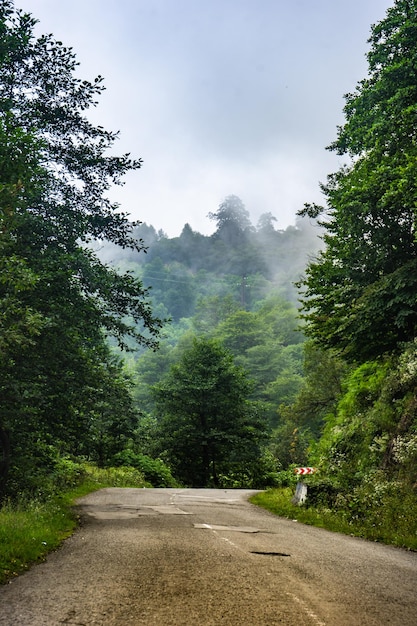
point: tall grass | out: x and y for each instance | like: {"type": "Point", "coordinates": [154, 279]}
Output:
{"type": "Point", "coordinates": [28, 532]}
{"type": "Point", "coordinates": [390, 518]}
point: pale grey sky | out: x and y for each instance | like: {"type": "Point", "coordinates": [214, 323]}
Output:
{"type": "Point", "coordinates": [218, 97]}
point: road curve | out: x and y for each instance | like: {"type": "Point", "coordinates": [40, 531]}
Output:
{"type": "Point", "coordinates": [189, 557]}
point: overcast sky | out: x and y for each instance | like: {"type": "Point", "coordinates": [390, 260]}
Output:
{"type": "Point", "coordinates": [218, 97]}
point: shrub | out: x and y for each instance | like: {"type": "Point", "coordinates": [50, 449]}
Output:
{"type": "Point", "coordinates": [155, 471]}
{"type": "Point", "coordinates": [113, 476]}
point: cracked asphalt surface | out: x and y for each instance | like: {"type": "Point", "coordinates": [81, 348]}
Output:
{"type": "Point", "coordinates": [182, 557]}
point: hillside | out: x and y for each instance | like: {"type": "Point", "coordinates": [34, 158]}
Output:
{"type": "Point", "coordinates": [238, 260]}
{"type": "Point", "coordinates": [237, 288]}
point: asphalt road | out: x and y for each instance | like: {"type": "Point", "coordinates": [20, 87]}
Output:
{"type": "Point", "coordinates": [161, 557]}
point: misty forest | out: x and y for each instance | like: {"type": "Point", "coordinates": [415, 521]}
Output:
{"type": "Point", "coordinates": [222, 360]}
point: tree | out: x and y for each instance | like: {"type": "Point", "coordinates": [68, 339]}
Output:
{"type": "Point", "coordinates": [265, 223]}
{"type": "Point", "coordinates": [57, 300]}
{"type": "Point", "coordinates": [112, 415]}
{"type": "Point", "coordinates": [240, 331]}
{"type": "Point", "coordinates": [232, 220]}
{"type": "Point", "coordinates": [301, 421]}
{"type": "Point", "coordinates": [211, 310]}
{"type": "Point", "coordinates": [18, 172]}
{"type": "Point", "coordinates": [40, 96]}
{"type": "Point", "coordinates": [207, 424]}
{"type": "Point", "coordinates": [20, 324]}
{"type": "Point", "coordinates": [266, 344]}
{"type": "Point", "coordinates": [171, 285]}
{"type": "Point", "coordinates": [360, 292]}
{"type": "Point", "coordinates": [323, 386]}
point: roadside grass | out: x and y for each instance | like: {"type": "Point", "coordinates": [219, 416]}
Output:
{"type": "Point", "coordinates": [28, 532]}
{"type": "Point", "coordinates": [393, 521]}
{"type": "Point", "coordinates": [30, 529]}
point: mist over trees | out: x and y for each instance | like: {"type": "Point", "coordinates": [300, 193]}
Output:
{"type": "Point", "coordinates": [235, 288]}
{"type": "Point", "coordinates": [238, 259]}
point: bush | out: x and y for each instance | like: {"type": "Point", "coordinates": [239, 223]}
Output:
{"type": "Point", "coordinates": [43, 475]}
{"type": "Point", "coordinates": [386, 510]}
{"type": "Point", "coordinates": [155, 471]}
{"type": "Point", "coordinates": [113, 476]}
{"type": "Point", "coordinates": [322, 492]}
{"type": "Point", "coordinates": [67, 473]}
{"type": "Point", "coordinates": [257, 474]}
{"type": "Point", "coordinates": [378, 511]}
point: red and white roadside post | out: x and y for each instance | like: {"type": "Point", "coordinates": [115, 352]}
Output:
{"type": "Point", "coordinates": [301, 489]}
{"type": "Point", "coordinates": [301, 471]}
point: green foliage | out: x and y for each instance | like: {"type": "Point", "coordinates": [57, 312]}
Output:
{"type": "Point", "coordinates": [61, 390]}
{"type": "Point", "coordinates": [378, 511]}
{"type": "Point", "coordinates": [240, 331]}
{"type": "Point", "coordinates": [151, 367]}
{"type": "Point", "coordinates": [155, 471]}
{"type": "Point", "coordinates": [99, 477]}
{"type": "Point", "coordinates": [380, 506]}
{"type": "Point", "coordinates": [257, 473]}
{"type": "Point", "coordinates": [85, 410]}
{"type": "Point", "coordinates": [172, 286]}
{"type": "Point", "coordinates": [278, 501]}
{"type": "Point", "coordinates": [360, 293]}
{"type": "Point", "coordinates": [355, 437]}
{"type": "Point", "coordinates": [367, 452]}
{"type": "Point", "coordinates": [112, 416]}
{"type": "Point", "coordinates": [28, 532]}
{"type": "Point", "coordinates": [289, 443]}
{"type": "Point", "coordinates": [43, 104]}
{"type": "Point", "coordinates": [207, 423]}
{"type": "Point", "coordinates": [360, 304]}
{"type": "Point", "coordinates": [266, 344]}
{"type": "Point", "coordinates": [211, 311]}
{"type": "Point", "coordinates": [56, 474]}
{"type": "Point", "coordinates": [321, 389]}
{"type": "Point", "coordinates": [237, 261]}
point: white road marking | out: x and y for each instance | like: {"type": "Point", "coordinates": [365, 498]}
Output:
{"type": "Point", "coordinates": [214, 529]}
{"type": "Point", "coordinates": [230, 542]}
{"type": "Point", "coordinates": [208, 498]}
{"type": "Point", "coordinates": [169, 509]}
{"type": "Point", "coordinates": [307, 610]}
{"type": "Point", "coordinates": [236, 529]}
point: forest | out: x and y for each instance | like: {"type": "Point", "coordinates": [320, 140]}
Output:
{"type": "Point", "coordinates": [209, 360]}
{"type": "Point", "coordinates": [230, 295]}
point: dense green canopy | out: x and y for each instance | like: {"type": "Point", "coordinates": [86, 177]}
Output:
{"type": "Point", "coordinates": [208, 424]}
{"type": "Point", "coordinates": [58, 301]}
{"type": "Point", "coordinates": [361, 292]}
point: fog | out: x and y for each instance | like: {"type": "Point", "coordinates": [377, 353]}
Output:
{"type": "Point", "coordinates": [217, 98]}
